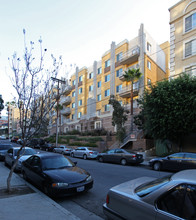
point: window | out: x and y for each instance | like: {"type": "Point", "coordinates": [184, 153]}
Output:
{"type": "Point", "coordinates": [90, 75]}
{"type": "Point", "coordinates": [80, 102]}
{"type": "Point", "coordinates": [148, 47]}
{"type": "Point", "coordinates": [179, 201]}
{"type": "Point", "coordinates": [190, 22]}
{"type": "Point", "coordinates": [119, 56]}
{"type": "Point", "coordinates": [90, 88]}
{"type": "Point", "coordinates": [99, 97]}
{"type": "Point", "coordinates": [73, 94]}
{"type": "Point", "coordinates": [190, 48]}
{"type": "Point", "coordinates": [136, 85]}
{"type": "Point", "coordinates": [73, 82]}
{"type": "Point", "coordinates": [99, 84]}
{"type": "Point", "coordinates": [80, 78]}
{"type": "Point", "coordinates": [149, 82]}
{"type": "Point", "coordinates": [191, 70]}
{"type": "Point", "coordinates": [107, 63]}
{"type": "Point", "coordinates": [98, 125]}
{"type": "Point", "coordinates": [118, 88]}
{"type": "Point", "coordinates": [107, 78]}
{"type": "Point", "coordinates": [79, 114]}
{"type": "Point", "coordinates": [149, 65]}
{"type": "Point", "coordinates": [107, 92]}
{"type": "Point", "coordinates": [72, 116]}
{"type": "Point", "coordinates": [119, 72]}
{"type": "Point", "coordinates": [107, 108]}
{"type": "Point", "coordinates": [80, 90]}
{"type": "Point", "coordinates": [73, 105]}
{"type": "Point", "coordinates": [99, 71]}
{"type": "Point", "coordinates": [99, 112]}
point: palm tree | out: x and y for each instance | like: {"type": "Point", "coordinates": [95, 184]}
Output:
{"type": "Point", "coordinates": [132, 75]}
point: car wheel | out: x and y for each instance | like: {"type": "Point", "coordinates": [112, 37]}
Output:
{"type": "Point", "coordinates": [72, 154]}
{"type": "Point", "coordinates": [46, 191]}
{"type": "Point", "coordinates": [157, 166]}
{"type": "Point", "coordinates": [123, 162]}
{"type": "Point", "coordinates": [100, 159]}
{"type": "Point", "coordinates": [84, 156]}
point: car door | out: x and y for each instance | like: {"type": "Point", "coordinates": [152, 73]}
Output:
{"type": "Point", "coordinates": [173, 162]}
{"type": "Point", "coordinates": [36, 171]}
{"type": "Point", "coordinates": [81, 152]}
{"type": "Point", "coordinates": [118, 155]}
{"type": "Point", "coordinates": [109, 156]}
{"type": "Point", "coordinates": [77, 152]}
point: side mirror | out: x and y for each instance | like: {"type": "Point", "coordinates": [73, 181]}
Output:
{"type": "Point", "coordinates": [75, 162]}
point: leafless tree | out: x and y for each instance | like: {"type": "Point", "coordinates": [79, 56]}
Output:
{"type": "Point", "coordinates": [34, 87]}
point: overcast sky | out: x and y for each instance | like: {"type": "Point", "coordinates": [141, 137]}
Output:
{"type": "Point", "coordinates": [79, 30]}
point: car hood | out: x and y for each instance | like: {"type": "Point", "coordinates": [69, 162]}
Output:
{"type": "Point", "coordinates": [68, 175]}
{"type": "Point", "coordinates": [128, 188]}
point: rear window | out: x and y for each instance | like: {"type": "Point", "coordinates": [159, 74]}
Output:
{"type": "Point", "coordinates": [146, 189]}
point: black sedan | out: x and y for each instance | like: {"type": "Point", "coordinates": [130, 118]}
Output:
{"type": "Point", "coordinates": [56, 175]}
{"type": "Point", "coordinates": [120, 156]}
{"type": "Point", "coordinates": [174, 162]}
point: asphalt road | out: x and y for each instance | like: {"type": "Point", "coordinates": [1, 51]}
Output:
{"type": "Point", "coordinates": [89, 205]}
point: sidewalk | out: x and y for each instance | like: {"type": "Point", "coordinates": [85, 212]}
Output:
{"type": "Point", "coordinates": [32, 205]}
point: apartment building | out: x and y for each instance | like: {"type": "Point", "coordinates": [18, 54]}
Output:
{"type": "Point", "coordinates": [13, 120]}
{"type": "Point", "coordinates": [86, 97]}
{"type": "Point", "coordinates": [183, 38]}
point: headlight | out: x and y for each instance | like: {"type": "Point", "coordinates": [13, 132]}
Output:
{"type": "Point", "coordinates": [58, 185]}
{"type": "Point", "coordinates": [88, 178]}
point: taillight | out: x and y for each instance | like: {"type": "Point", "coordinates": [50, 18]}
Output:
{"type": "Point", "coordinates": [107, 199]}
{"type": "Point", "coordinates": [133, 155]}
{"type": "Point", "coordinates": [90, 152]}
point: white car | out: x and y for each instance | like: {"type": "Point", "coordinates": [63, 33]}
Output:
{"type": "Point", "coordinates": [2, 137]}
{"type": "Point", "coordinates": [84, 152]}
{"type": "Point", "coordinates": [11, 156]}
{"type": "Point", "coordinates": [62, 150]}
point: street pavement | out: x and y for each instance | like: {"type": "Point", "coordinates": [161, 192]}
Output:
{"type": "Point", "coordinates": [31, 206]}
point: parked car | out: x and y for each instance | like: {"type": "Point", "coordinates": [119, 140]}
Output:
{"type": "Point", "coordinates": [2, 137]}
{"type": "Point", "coordinates": [3, 150]}
{"type": "Point", "coordinates": [36, 143]}
{"type": "Point", "coordinates": [14, 139]}
{"type": "Point", "coordinates": [120, 156]}
{"type": "Point", "coordinates": [56, 174]}
{"type": "Point", "coordinates": [47, 147]}
{"type": "Point", "coordinates": [11, 156]}
{"type": "Point", "coordinates": [62, 150]}
{"type": "Point", "coordinates": [174, 162]}
{"type": "Point", "coordinates": [84, 152]}
{"type": "Point", "coordinates": [170, 197]}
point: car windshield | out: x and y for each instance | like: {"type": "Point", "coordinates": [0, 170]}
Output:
{"type": "Point", "coordinates": [51, 163]}
{"type": "Point", "coordinates": [150, 187]}
{"type": "Point", "coordinates": [5, 147]}
{"type": "Point", "coordinates": [25, 152]}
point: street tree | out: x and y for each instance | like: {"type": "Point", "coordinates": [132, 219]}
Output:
{"type": "Point", "coordinates": [132, 75]}
{"type": "Point", "coordinates": [32, 82]}
{"type": "Point", "coordinates": [168, 109]}
{"type": "Point", "coordinates": [1, 104]}
{"type": "Point", "coordinates": [119, 117]}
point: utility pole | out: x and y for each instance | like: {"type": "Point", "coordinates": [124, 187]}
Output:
{"type": "Point", "coordinates": [8, 122]}
{"type": "Point", "coordinates": [57, 110]}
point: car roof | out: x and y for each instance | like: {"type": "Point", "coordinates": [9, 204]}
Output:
{"type": "Point", "coordinates": [186, 175]}
{"type": "Point", "coordinates": [48, 155]}
{"type": "Point", "coordinates": [20, 147]}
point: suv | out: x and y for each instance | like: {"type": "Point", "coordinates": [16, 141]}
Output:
{"type": "Point", "coordinates": [84, 152]}
{"type": "Point", "coordinates": [47, 147]}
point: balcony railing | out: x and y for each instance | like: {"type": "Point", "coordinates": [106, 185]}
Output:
{"type": "Point", "coordinates": [125, 92]}
{"type": "Point", "coordinates": [65, 100]}
{"type": "Point", "coordinates": [130, 56]}
{"type": "Point", "coordinates": [67, 90]}
{"type": "Point", "coordinates": [66, 111]}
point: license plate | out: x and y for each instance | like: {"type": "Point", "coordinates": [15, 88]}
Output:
{"type": "Point", "coordinates": [80, 189]}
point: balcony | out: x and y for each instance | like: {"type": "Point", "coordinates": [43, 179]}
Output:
{"type": "Point", "coordinates": [125, 92]}
{"type": "Point", "coordinates": [131, 56]}
{"type": "Point", "coordinates": [65, 100]}
{"type": "Point", "coordinates": [66, 111]}
{"type": "Point", "coordinates": [121, 76]}
{"type": "Point", "coordinates": [67, 90]}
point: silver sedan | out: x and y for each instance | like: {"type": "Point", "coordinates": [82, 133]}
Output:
{"type": "Point", "coordinates": [84, 152]}
{"type": "Point", "coordinates": [62, 150]}
{"type": "Point", "coordinates": [170, 197]}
